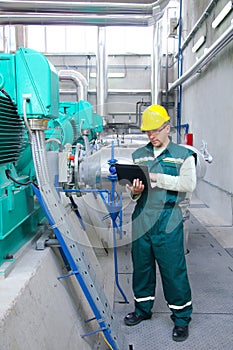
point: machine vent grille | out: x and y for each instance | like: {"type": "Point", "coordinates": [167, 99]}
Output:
{"type": "Point", "coordinates": [11, 131]}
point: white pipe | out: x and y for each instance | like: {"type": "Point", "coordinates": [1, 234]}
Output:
{"type": "Point", "coordinates": [79, 80]}
{"type": "Point", "coordinates": [111, 91]}
{"type": "Point", "coordinates": [155, 67]}
{"type": "Point", "coordinates": [198, 24]}
{"type": "Point", "coordinates": [31, 18]}
{"type": "Point", "coordinates": [72, 12]}
{"type": "Point", "coordinates": [81, 6]}
{"type": "Point", "coordinates": [102, 73]}
{"type": "Point", "coordinates": [218, 45]}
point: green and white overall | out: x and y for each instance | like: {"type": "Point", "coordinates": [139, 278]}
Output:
{"type": "Point", "coordinates": [157, 236]}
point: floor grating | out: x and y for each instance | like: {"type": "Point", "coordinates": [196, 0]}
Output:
{"type": "Point", "coordinates": [210, 269]}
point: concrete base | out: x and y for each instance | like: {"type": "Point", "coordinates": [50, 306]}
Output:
{"type": "Point", "coordinates": [38, 311]}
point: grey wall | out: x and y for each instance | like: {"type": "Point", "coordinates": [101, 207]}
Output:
{"type": "Point", "coordinates": [208, 108]}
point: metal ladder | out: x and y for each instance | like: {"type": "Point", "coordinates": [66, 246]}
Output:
{"type": "Point", "coordinates": [64, 228]}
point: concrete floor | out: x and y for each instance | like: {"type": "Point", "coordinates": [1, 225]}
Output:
{"type": "Point", "coordinates": [210, 266]}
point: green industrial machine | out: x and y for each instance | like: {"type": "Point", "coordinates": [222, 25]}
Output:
{"type": "Point", "coordinates": [47, 148]}
{"type": "Point", "coordinates": [75, 120]}
{"type": "Point", "coordinates": [29, 94]}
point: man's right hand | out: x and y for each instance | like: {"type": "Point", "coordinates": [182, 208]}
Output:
{"type": "Point", "coordinates": [137, 187]}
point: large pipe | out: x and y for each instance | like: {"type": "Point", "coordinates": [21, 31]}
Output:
{"type": "Point", "coordinates": [111, 91]}
{"type": "Point", "coordinates": [213, 50]}
{"type": "Point", "coordinates": [101, 73]}
{"type": "Point", "coordinates": [79, 80]}
{"type": "Point", "coordinates": [155, 67]}
{"type": "Point", "coordinates": [72, 12]}
{"type": "Point", "coordinates": [14, 18]}
{"type": "Point", "coordinates": [180, 73]}
{"type": "Point", "coordinates": [198, 24]}
{"type": "Point", "coordinates": [82, 7]}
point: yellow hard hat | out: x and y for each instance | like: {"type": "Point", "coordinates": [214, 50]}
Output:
{"type": "Point", "coordinates": [153, 117]}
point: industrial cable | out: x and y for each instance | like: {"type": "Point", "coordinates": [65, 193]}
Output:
{"type": "Point", "coordinates": [18, 182]}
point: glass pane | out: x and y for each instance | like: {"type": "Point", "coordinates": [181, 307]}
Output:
{"type": "Point", "coordinates": [81, 39]}
{"type": "Point", "coordinates": [7, 39]}
{"type": "Point", "coordinates": [56, 39]}
{"type": "Point", "coordinates": [136, 40]}
{"type": "Point", "coordinates": [36, 38]}
{"type": "Point", "coordinates": [1, 39]}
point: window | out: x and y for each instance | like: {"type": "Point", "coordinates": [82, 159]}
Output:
{"type": "Point", "coordinates": [63, 39]}
{"type": "Point", "coordinates": [83, 39]}
{"type": "Point", "coordinates": [36, 38]}
{"type": "Point", "coordinates": [136, 40]}
{"type": "Point", "coordinates": [7, 39]}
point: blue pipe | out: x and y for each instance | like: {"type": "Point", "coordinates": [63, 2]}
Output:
{"type": "Point", "coordinates": [114, 210]}
{"type": "Point", "coordinates": [185, 126]}
{"type": "Point", "coordinates": [113, 179]}
{"type": "Point", "coordinates": [180, 72]}
{"type": "Point", "coordinates": [113, 176]}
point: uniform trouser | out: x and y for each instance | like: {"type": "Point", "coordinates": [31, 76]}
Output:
{"type": "Point", "coordinates": [162, 244]}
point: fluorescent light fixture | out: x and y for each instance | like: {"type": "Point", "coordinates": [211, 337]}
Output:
{"type": "Point", "coordinates": [198, 44]}
{"type": "Point", "coordinates": [222, 14]}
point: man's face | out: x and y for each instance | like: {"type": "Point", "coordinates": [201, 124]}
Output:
{"type": "Point", "coordinates": [159, 137]}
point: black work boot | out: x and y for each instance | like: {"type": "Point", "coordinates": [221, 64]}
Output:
{"type": "Point", "coordinates": [180, 333]}
{"type": "Point", "coordinates": [133, 318]}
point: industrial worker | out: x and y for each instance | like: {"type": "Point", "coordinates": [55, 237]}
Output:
{"type": "Point", "coordinates": [157, 226]}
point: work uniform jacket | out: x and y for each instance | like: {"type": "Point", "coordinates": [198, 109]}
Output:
{"type": "Point", "coordinates": [153, 200]}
